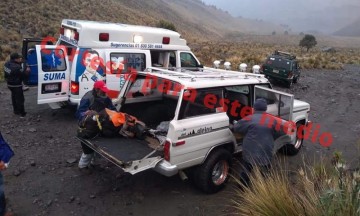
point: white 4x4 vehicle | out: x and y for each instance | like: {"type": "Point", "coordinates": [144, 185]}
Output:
{"type": "Point", "coordinates": [197, 106]}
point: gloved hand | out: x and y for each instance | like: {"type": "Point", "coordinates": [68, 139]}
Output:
{"type": "Point", "coordinates": [90, 112]}
{"type": "Point", "coordinates": [2, 166]}
{"type": "Point", "coordinates": [231, 127]}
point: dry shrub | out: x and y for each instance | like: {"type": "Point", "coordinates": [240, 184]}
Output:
{"type": "Point", "coordinates": [319, 190]}
{"type": "Point", "coordinates": [2, 71]}
{"type": "Point", "coordinates": [273, 194]}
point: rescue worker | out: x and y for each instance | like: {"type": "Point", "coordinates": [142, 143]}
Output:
{"type": "Point", "coordinates": [14, 78]}
{"type": "Point", "coordinates": [92, 102]}
{"type": "Point", "coordinates": [258, 140]}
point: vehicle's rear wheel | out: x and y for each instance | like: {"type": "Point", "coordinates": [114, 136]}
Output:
{"type": "Point", "coordinates": [290, 149]}
{"type": "Point", "coordinates": [213, 174]}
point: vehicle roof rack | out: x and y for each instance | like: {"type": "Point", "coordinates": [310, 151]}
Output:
{"type": "Point", "coordinates": [201, 73]}
{"type": "Point", "coordinates": [284, 54]}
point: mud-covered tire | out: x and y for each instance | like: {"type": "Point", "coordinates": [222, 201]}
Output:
{"type": "Point", "coordinates": [290, 149]}
{"type": "Point", "coordinates": [213, 174]}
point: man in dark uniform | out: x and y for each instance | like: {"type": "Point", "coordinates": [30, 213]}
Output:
{"type": "Point", "coordinates": [14, 78]}
{"type": "Point", "coordinates": [92, 102]}
{"type": "Point", "coordinates": [259, 139]}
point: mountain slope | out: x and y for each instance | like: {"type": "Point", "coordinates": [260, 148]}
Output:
{"type": "Point", "coordinates": [192, 18]}
{"type": "Point", "coordinates": [352, 30]}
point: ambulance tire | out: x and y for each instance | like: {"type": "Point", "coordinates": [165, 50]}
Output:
{"type": "Point", "coordinates": [212, 175]}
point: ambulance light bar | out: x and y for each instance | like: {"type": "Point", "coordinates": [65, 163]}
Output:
{"type": "Point", "coordinates": [104, 37]}
{"type": "Point", "coordinates": [166, 40]}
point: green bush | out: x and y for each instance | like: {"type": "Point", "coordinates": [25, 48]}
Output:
{"type": "Point", "coordinates": [166, 25]}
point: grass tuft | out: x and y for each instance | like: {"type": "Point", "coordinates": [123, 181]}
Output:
{"type": "Point", "coordinates": [319, 190]}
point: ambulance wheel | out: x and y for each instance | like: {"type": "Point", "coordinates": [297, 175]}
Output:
{"type": "Point", "coordinates": [290, 149]}
{"type": "Point", "coordinates": [213, 174]}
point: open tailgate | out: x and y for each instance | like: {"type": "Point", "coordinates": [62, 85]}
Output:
{"type": "Point", "coordinates": [131, 155]}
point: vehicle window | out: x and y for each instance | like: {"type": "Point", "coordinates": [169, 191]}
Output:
{"type": "Point", "coordinates": [198, 102]}
{"type": "Point", "coordinates": [150, 87]}
{"type": "Point", "coordinates": [155, 59]}
{"type": "Point", "coordinates": [239, 89]}
{"type": "Point", "coordinates": [70, 48]}
{"type": "Point", "coordinates": [163, 58]}
{"type": "Point", "coordinates": [270, 97]}
{"type": "Point", "coordinates": [278, 104]}
{"type": "Point", "coordinates": [295, 66]}
{"type": "Point", "coordinates": [278, 63]}
{"type": "Point", "coordinates": [172, 59]}
{"type": "Point", "coordinates": [127, 62]}
{"type": "Point", "coordinates": [236, 99]}
{"type": "Point", "coordinates": [53, 60]}
{"type": "Point", "coordinates": [266, 85]}
{"type": "Point", "coordinates": [188, 60]}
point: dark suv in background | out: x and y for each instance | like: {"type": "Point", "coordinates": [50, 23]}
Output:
{"type": "Point", "coordinates": [282, 66]}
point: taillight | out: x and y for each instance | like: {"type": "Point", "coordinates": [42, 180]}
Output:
{"type": "Point", "coordinates": [74, 88]}
{"type": "Point", "coordinates": [166, 40]}
{"type": "Point", "coordinates": [290, 74]}
{"type": "Point", "coordinates": [167, 150]}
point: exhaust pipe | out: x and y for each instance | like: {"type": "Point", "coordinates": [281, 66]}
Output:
{"type": "Point", "coordinates": [183, 176]}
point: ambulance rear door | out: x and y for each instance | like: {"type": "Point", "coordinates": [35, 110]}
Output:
{"type": "Point", "coordinates": [119, 65]}
{"type": "Point", "coordinates": [54, 71]}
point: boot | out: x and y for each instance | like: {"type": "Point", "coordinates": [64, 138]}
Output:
{"type": "Point", "coordinates": [85, 160]}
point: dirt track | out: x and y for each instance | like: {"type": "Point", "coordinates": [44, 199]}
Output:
{"type": "Point", "coordinates": [43, 178]}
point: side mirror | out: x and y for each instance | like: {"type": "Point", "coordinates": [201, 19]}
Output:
{"type": "Point", "coordinates": [200, 66]}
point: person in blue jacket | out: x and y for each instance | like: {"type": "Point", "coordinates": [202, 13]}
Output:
{"type": "Point", "coordinates": [6, 154]}
{"type": "Point", "coordinates": [92, 102]}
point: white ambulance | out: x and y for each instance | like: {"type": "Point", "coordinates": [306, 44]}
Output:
{"type": "Point", "coordinates": [87, 51]}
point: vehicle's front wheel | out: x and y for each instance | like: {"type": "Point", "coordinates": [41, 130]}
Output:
{"type": "Point", "coordinates": [296, 79]}
{"type": "Point", "coordinates": [290, 149]}
{"type": "Point", "coordinates": [213, 174]}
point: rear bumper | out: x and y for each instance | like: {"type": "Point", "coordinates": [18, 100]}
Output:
{"type": "Point", "coordinates": [275, 76]}
{"type": "Point", "coordinates": [166, 169]}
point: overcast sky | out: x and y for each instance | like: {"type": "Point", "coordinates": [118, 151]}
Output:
{"type": "Point", "coordinates": [323, 15]}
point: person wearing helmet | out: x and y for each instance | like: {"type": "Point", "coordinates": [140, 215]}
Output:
{"type": "Point", "coordinates": [91, 103]}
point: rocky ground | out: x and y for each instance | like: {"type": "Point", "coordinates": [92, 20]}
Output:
{"type": "Point", "coordinates": [43, 178]}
